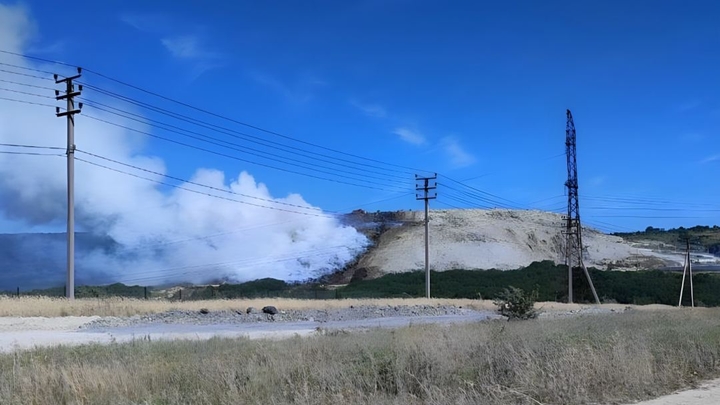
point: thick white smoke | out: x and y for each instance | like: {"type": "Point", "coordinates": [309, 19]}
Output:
{"type": "Point", "coordinates": [164, 236]}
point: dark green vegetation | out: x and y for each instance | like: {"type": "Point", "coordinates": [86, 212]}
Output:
{"type": "Point", "coordinates": [266, 287]}
{"type": "Point", "coordinates": [112, 290]}
{"type": "Point", "coordinates": [545, 278]}
{"type": "Point", "coordinates": [548, 280]}
{"type": "Point", "coordinates": [703, 238]}
{"type": "Point", "coordinates": [612, 358]}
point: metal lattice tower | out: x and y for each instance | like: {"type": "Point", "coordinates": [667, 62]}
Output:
{"type": "Point", "coordinates": [573, 227]}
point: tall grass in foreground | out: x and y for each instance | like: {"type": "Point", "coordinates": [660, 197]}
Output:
{"type": "Point", "coordinates": [612, 358]}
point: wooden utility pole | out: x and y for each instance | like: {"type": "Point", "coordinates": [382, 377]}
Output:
{"type": "Point", "coordinates": [687, 270]}
{"type": "Point", "coordinates": [425, 188]}
{"type": "Point", "coordinates": [70, 111]}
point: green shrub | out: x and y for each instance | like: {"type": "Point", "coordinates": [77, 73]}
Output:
{"type": "Point", "coordinates": [515, 303]}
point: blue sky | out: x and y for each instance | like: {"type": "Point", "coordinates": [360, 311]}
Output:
{"type": "Point", "coordinates": [476, 91]}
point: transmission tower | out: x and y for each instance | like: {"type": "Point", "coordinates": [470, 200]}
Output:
{"type": "Point", "coordinates": [573, 227]}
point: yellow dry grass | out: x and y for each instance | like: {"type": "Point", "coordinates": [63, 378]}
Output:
{"type": "Point", "coordinates": [53, 307]}
{"type": "Point", "coordinates": [603, 359]}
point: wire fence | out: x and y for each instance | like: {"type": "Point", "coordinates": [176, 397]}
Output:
{"type": "Point", "coordinates": [190, 293]}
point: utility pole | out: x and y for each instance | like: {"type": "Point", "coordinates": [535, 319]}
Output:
{"type": "Point", "coordinates": [573, 227]}
{"type": "Point", "coordinates": [425, 188]}
{"type": "Point", "coordinates": [70, 111]}
{"type": "Point", "coordinates": [687, 270]}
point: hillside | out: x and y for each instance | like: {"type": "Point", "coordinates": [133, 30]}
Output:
{"type": "Point", "coordinates": [38, 260]}
{"type": "Point", "coordinates": [702, 238]}
{"type": "Point", "coordinates": [494, 239]}
{"type": "Point", "coordinates": [459, 239]}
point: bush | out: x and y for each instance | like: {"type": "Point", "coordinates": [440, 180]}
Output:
{"type": "Point", "coordinates": [515, 303]}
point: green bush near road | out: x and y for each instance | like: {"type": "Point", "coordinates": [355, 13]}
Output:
{"type": "Point", "coordinates": [517, 304]}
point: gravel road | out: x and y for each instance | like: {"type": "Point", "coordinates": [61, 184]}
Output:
{"type": "Point", "coordinates": [320, 316]}
{"type": "Point", "coordinates": [24, 333]}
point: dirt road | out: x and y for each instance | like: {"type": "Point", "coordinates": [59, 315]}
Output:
{"type": "Point", "coordinates": [25, 333]}
{"type": "Point", "coordinates": [707, 394]}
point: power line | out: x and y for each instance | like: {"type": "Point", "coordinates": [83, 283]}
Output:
{"type": "Point", "coordinates": [36, 58]}
{"type": "Point", "coordinates": [236, 134]}
{"type": "Point", "coordinates": [27, 84]}
{"type": "Point", "coordinates": [27, 102]}
{"type": "Point", "coordinates": [246, 124]}
{"type": "Point", "coordinates": [228, 131]}
{"type": "Point", "coordinates": [210, 112]}
{"type": "Point", "coordinates": [26, 93]}
{"type": "Point", "coordinates": [473, 196]}
{"type": "Point", "coordinates": [199, 192]}
{"type": "Point", "coordinates": [27, 68]}
{"type": "Point", "coordinates": [492, 198]}
{"type": "Point", "coordinates": [25, 74]}
{"type": "Point", "coordinates": [449, 205]}
{"type": "Point", "coordinates": [243, 149]}
{"type": "Point", "coordinates": [641, 201]}
{"type": "Point", "coordinates": [29, 153]}
{"type": "Point", "coordinates": [464, 201]}
{"type": "Point", "coordinates": [652, 209]}
{"type": "Point", "coordinates": [194, 183]}
{"type": "Point", "coordinates": [231, 156]}
{"type": "Point", "coordinates": [14, 145]}
{"type": "Point", "coordinates": [650, 216]}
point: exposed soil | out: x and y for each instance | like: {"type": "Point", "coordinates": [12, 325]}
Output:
{"type": "Point", "coordinates": [488, 239]}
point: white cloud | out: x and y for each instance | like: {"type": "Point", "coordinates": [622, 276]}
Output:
{"type": "Point", "coordinates": [184, 46]}
{"type": "Point", "coordinates": [709, 159]}
{"type": "Point", "coordinates": [300, 91]}
{"type": "Point", "coordinates": [455, 153]}
{"type": "Point", "coordinates": [372, 110]}
{"type": "Point", "coordinates": [185, 43]}
{"type": "Point", "coordinates": [146, 22]}
{"type": "Point", "coordinates": [165, 235]}
{"type": "Point", "coordinates": [410, 136]}
{"type": "Point", "coordinates": [688, 105]}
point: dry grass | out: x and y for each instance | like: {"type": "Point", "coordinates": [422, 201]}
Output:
{"type": "Point", "coordinates": [599, 359]}
{"type": "Point", "coordinates": [53, 307]}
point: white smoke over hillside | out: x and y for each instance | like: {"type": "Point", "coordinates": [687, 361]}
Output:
{"type": "Point", "coordinates": [164, 236]}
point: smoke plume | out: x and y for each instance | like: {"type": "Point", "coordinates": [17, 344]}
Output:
{"type": "Point", "coordinates": [160, 234]}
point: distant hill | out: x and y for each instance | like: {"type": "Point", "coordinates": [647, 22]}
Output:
{"type": "Point", "coordinates": [703, 238]}
{"type": "Point", "coordinates": [459, 239]}
{"type": "Point", "coordinates": [474, 239]}
{"type": "Point", "coordinates": [38, 260]}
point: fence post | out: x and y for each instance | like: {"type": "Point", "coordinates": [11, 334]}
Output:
{"type": "Point", "coordinates": [181, 294]}
{"type": "Point", "coordinates": [145, 292]}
